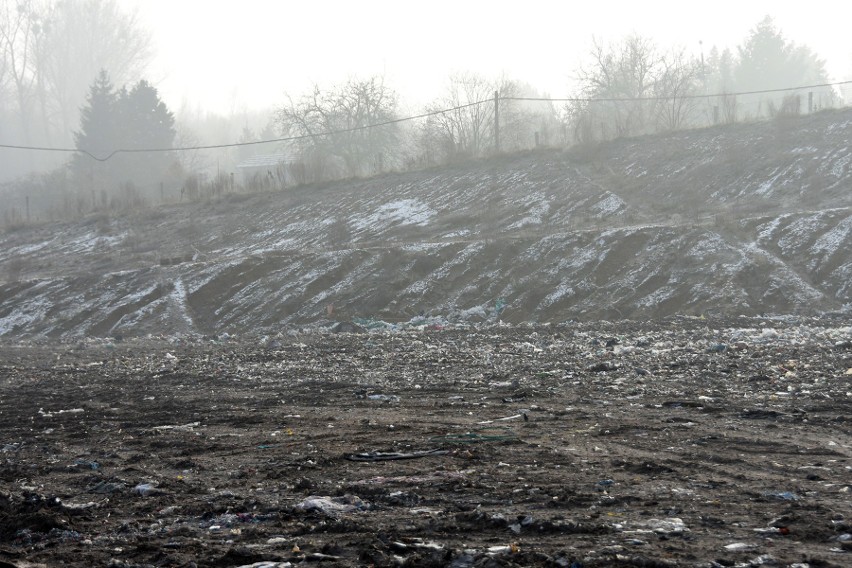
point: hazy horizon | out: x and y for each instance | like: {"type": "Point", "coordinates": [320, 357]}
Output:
{"type": "Point", "coordinates": [227, 57]}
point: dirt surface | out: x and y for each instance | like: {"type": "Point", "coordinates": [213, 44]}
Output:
{"type": "Point", "coordinates": [678, 443]}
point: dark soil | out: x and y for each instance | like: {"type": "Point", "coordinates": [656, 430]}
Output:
{"type": "Point", "coordinates": [677, 443]}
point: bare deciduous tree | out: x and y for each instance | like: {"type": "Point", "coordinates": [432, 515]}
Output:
{"type": "Point", "coordinates": [51, 50]}
{"type": "Point", "coordinates": [467, 130]}
{"type": "Point", "coordinates": [624, 72]}
{"type": "Point", "coordinates": [81, 38]}
{"type": "Point", "coordinates": [337, 127]}
{"type": "Point", "coordinates": [630, 88]}
{"type": "Point", "coordinates": [20, 27]}
{"type": "Point", "coordinates": [676, 85]}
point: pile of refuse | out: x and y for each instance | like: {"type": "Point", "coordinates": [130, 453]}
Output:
{"type": "Point", "coordinates": [681, 442]}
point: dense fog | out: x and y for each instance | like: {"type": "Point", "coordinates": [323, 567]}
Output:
{"type": "Point", "coordinates": [84, 126]}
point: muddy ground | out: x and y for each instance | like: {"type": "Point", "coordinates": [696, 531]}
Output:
{"type": "Point", "coordinates": [677, 443]}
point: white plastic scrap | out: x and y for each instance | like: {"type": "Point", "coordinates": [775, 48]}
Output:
{"type": "Point", "coordinates": [671, 525]}
{"type": "Point", "coordinates": [184, 427]}
{"type": "Point", "coordinates": [332, 505]}
{"type": "Point", "coordinates": [739, 547]}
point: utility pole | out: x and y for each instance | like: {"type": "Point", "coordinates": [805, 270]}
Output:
{"type": "Point", "coordinates": [496, 123]}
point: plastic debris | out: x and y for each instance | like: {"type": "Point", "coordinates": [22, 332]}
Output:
{"type": "Point", "coordinates": [333, 506]}
{"type": "Point", "coordinates": [669, 526]}
{"type": "Point", "coordinates": [495, 434]}
{"type": "Point", "coordinates": [602, 453]}
{"type": "Point", "coordinates": [145, 489]}
{"type": "Point", "coordinates": [739, 547]}
{"type": "Point", "coordinates": [383, 397]}
{"type": "Point", "coordinates": [86, 464]}
{"type": "Point", "coordinates": [507, 549]}
{"type": "Point", "coordinates": [783, 495]}
{"type": "Point", "coordinates": [523, 414]}
{"type": "Point", "coordinates": [389, 456]}
{"type": "Point", "coordinates": [107, 487]}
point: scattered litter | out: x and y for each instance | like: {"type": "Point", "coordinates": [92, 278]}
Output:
{"type": "Point", "coordinates": [80, 506]}
{"type": "Point", "coordinates": [333, 506]}
{"type": "Point", "coordinates": [508, 549]}
{"type": "Point", "coordinates": [86, 464]}
{"type": "Point", "coordinates": [585, 430]}
{"type": "Point", "coordinates": [52, 414]}
{"type": "Point", "coordinates": [763, 560]}
{"type": "Point", "coordinates": [669, 526]}
{"type": "Point", "coordinates": [522, 414]}
{"type": "Point", "coordinates": [182, 428]}
{"type": "Point", "coordinates": [783, 495]}
{"type": "Point", "coordinates": [773, 530]}
{"type": "Point", "coordinates": [437, 476]}
{"type": "Point", "coordinates": [463, 561]}
{"type": "Point", "coordinates": [506, 418]}
{"type": "Point", "coordinates": [739, 547]}
{"type": "Point", "coordinates": [107, 487]}
{"type": "Point", "coordinates": [145, 489]}
{"type": "Point", "coordinates": [383, 397]}
{"type": "Point", "coordinates": [388, 456]}
{"type": "Point", "coordinates": [416, 544]}
{"type": "Point", "coordinates": [483, 435]}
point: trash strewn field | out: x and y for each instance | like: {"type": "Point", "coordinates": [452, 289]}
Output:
{"type": "Point", "coordinates": [677, 443]}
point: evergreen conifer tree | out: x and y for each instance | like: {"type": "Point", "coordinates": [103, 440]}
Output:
{"type": "Point", "coordinates": [134, 119]}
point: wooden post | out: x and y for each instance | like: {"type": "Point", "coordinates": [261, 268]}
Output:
{"type": "Point", "coordinates": [496, 123]}
{"type": "Point", "coordinates": [810, 102]}
{"type": "Point", "coordinates": [28, 209]}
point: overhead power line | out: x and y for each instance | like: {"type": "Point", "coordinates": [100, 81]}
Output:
{"type": "Point", "coordinates": [669, 97]}
{"type": "Point", "coordinates": [252, 143]}
{"type": "Point", "coordinates": [414, 117]}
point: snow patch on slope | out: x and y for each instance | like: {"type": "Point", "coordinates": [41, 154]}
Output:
{"type": "Point", "coordinates": [402, 212]}
{"type": "Point", "coordinates": [609, 205]}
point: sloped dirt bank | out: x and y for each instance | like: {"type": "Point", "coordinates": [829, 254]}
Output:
{"type": "Point", "coordinates": [741, 219]}
{"type": "Point", "coordinates": [678, 443]}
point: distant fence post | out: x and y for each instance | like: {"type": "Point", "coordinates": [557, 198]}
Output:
{"type": "Point", "coordinates": [810, 102]}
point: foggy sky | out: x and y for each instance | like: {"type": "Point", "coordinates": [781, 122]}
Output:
{"type": "Point", "coordinates": [229, 55]}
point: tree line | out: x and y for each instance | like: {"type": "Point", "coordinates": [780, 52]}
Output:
{"type": "Point", "coordinates": [627, 88]}
{"type": "Point", "coordinates": [673, 90]}
{"type": "Point", "coordinates": [73, 73]}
